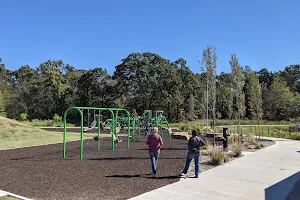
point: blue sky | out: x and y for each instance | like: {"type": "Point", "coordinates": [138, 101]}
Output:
{"type": "Point", "coordinates": [90, 33]}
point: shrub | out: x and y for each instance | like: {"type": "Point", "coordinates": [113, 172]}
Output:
{"type": "Point", "coordinates": [233, 139]}
{"type": "Point", "coordinates": [226, 158]}
{"type": "Point", "coordinates": [259, 145]}
{"type": "Point", "coordinates": [207, 145]}
{"type": "Point", "coordinates": [250, 139]}
{"type": "Point", "coordinates": [217, 156]}
{"type": "Point", "coordinates": [184, 127]}
{"type": "Point", "coordinates": [23, 117]}
{"type": "Point", "coordinates": [237, 149]}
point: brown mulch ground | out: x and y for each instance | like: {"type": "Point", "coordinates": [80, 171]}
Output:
{"type": "Point", "coordinates": [41, 173]}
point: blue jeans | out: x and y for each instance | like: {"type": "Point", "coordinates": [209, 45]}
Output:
{"type": "Point", "coordinates": [190, 156]}
{"type": "Point", "coordinates": [154, 160]}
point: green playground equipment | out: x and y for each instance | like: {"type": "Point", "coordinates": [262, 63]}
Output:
{"type": "Point", "coordinates": [114, 114]}
{"type": "Point", "coordinates": [159, 120]}
{"type": "Point", "coordinates": [136, 125]}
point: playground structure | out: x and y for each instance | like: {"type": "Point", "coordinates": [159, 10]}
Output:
{"type": "Point", "coordinates": [115, 124]}
{"type": "Point", "coordinates": [113, 129]}
{"type": "Point", "coordinates": [156, 118]}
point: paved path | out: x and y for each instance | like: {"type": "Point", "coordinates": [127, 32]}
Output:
{"type": "Point", "coordinates": [268, 174]}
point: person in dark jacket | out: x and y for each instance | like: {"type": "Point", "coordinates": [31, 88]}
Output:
{"type": "Point", "coordinates": [195, 142]}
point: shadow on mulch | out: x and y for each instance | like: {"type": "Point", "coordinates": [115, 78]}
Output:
{"type": "Point", "coordinates": [132, 158]}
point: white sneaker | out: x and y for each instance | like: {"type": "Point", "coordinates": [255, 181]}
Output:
{"type": "Point", "coordinates": [183, 175]}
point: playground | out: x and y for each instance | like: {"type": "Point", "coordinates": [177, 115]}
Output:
{"type": "Point", "coordinates": [114, 167]}
{"type": "Point", "coordinates": [93, 169]}
{"type": "Point", "coordinates": [41, 172]}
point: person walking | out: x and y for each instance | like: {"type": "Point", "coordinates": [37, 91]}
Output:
{"type": "Point", "coordinates": [195, 142]}
{"type": "Point", "coordinates": [154, 142]}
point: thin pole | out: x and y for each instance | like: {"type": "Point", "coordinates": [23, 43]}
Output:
{"type": "Point", "coordinates": [128, 133]}
{"type": "Point", "coordinates": [65, 136]}
{"type": "Point", "coordinates": [88, 118]}
{"type": "Point", "coordinates": [81, 137]}
{"type": "Point", "coordinates": [99, 129]}
{"type": "Point", "coordinates": [139, 129]}
{"type": "Point", "coordinates": [133, 127]}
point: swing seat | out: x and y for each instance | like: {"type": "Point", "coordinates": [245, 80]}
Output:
{"type": "Point", "coordinates": [96, 138]}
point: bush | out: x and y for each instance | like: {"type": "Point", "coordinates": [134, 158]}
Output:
{"type": "Point", "coordinates": [237, 149]}
{"type": "Point", "coordinates": [207, 145]}
{"type": "Point", "coordinates": [233, 139]}
{"type": "Point", "coordinates": [57, 120]}
{"type": "Point", "coordinates": [217, 156]}
{"type": "Point", "coordinates": [250, 139]}
{"type": "Point", "coordinates": [23, 117]}
{"type": "Point", "coordinates": [259, 145]}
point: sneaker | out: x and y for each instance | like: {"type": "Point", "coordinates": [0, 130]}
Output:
{"type": "Point", "coordinates": [154, 175]}
{"type": "Point", "coordinates": [183, 175]}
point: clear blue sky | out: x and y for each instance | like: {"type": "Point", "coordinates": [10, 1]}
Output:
{"type": "Point", "coordinates": [90, 33]}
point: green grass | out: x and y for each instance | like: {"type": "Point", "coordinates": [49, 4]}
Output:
{"type": "Point", "coordinates": [8, 198]}
{"type": "Point", "coordinates": [14, 134]}
{"type": "Point", "coordinates": [44, 123]}
{"type": "Point", "coordinates": [280, 129]}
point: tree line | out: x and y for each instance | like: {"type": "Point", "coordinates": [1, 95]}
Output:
{"type": "Point", "coordinates": [147, 81]}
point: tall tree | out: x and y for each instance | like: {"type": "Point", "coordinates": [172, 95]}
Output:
{"type": "Point", "coordinates": [238, 84]}
{"type": "Point", "coordinates": [255, 97]}
{"type": "Point", "coordinates": [209, 64]}
{"type": "Point", "coordinates": [281, 102]}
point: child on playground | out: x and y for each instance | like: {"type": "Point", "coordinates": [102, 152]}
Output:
{"type": "Point", "coordinates": [154, 143]}
{"type": "Point", "coordinates": [148, 128]}
{"type": "Point", "coordinates": [195, 142]}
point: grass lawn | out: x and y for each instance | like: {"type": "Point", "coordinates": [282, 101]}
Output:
{"type": "Point", "coordinates": [14, 134]}
{"type": "Point", "coordinates": [8, 198]}
{"type": "Point", "coordinates": [267, 128]}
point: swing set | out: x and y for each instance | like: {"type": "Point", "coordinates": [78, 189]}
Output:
{"type": "Point", "coordinates": [114, 116]}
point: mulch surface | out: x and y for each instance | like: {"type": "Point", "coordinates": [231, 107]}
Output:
{"type": "Point", "coordinates": [41, 172]}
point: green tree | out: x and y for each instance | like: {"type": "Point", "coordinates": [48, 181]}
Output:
{"type": "Point", "coordinates": [281, 103]}
{"type": "Point", "coordinates": [291, 75]}
{"type": "Point", "coordinates": [238, 84]}
{"type": "Point", "coordinates": [209, 64]}
{"type": "Point", "coordinates": [255, 97]}
{"type": "Point", "coordinates": [225, 96]}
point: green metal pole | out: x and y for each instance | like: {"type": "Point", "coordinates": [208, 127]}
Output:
{"type": "Point", "coordinates": [133, 127]}
{"type": "Point", "coordinates": [139, 129]}
{"type": "Point", "coordinates": [116, 116]}
{"type": "Point", "coordinates": [88, 118]}
{"type": "Point", "coordinates": [99, 129]}
{"type": "Point", "coordinates": [81, 138]}
{"type": "Point", "coordinates": [65, 135]}
{"type": "Point", "coordinates": [128, 133]}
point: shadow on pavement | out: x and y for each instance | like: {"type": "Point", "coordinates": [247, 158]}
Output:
{"type": "Point", "coordinates": [127, 176]}
{"type": "Point", "coordinates": [281, 190]}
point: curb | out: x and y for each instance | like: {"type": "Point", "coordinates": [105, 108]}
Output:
{"type": "Point", "coordinates": [13, 195]}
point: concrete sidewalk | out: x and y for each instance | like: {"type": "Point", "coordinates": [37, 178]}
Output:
{"type": "Point", "coordinates": [268, 174]}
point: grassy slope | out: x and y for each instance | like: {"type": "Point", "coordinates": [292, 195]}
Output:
{"type": "Point", "coordinates": [14, 134]}
{"type": "Point", "coordinates": [8, 198]}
